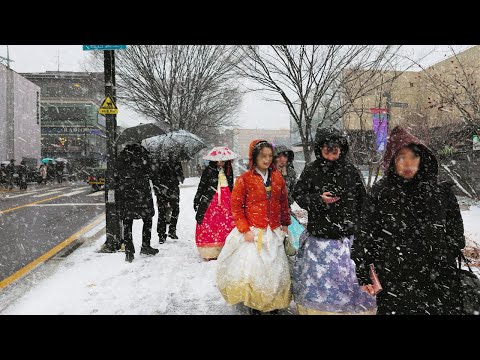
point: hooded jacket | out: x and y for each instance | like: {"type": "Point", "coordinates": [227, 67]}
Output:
{"type": "Point", "coordinates": [339, 219]}
{"type": "Point", "coordinates": [134, 193]}
{"type": "Point", "coordinates": [250, 205]}
{"type": "Point", "coordinates": [412, 231]}
{"type": "Point", "coordinates": [291, 177]}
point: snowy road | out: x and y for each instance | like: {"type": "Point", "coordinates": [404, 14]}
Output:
{"type": "Point", "coordinates": [34, 221]}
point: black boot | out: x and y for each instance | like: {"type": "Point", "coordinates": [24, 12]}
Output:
{"type": "Point", "coordinates": [129, 256]}
{"type": "Point", "coordinates": [162, 238]}
{"type": "Point", "coordinates": [254, 311]}
{"type": "Point", "coordinates": [148, 250]}
{"type": "Point", "coordinates": [172, 233]}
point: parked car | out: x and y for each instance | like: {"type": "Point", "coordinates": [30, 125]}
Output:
{"type": "Point", "coordinates": [96, 178]}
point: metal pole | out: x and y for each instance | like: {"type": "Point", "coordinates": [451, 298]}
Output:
{"type": "Point", "coordinates": [112, 243]}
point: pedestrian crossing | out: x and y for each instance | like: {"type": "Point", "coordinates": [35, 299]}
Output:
{"type": "Point", "coordinates": [98, 193]}
{"type": "Point", "coordinates": [44, 192]}
{"type": "Point", "coordinates": [76, 192]}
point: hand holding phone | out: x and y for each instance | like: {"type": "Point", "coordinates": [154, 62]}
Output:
{"type": "Point", "coordinates": [329, 198]}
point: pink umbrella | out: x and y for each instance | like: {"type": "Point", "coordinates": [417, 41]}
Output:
{"type": "Point", "coordinates": [220, 153]}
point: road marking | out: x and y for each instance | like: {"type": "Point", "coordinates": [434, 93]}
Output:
{"type": "Point", "coordinates": [97, 193]}
{"type": "Point", "coordinates": [26, 269]}
{"type": "Point", "coordinates": [75, 192]}
{"type": "Point", "coordinates": [46, 194]}
{"type": "Point", "coordinates": [72, 204]}
{"type": "Point", "coordinates": [22, 206]}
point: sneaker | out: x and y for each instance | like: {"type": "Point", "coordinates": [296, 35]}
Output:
{"type": "Point", "coordinates": [148, 250]}
{"type": "Point", "coordinates": [122, 248]}
{"type": "Point", "coordinates": [106, 249]}
{"type": "Point", "coordinates": [162, 238]}
{"type": "Point", "coordinates": [129, 257]}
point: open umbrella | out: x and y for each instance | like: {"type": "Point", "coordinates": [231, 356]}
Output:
{"type": "Point", "coordinates": [140, 132]}
{"type": "Point", "coordinates": [47, 160]}
{"type": "Point", "coordinates": [220, 153]}
{"type": "Point", "coordinates": [62, 160]}
{"type": "Point", "coordinates": [181, 143]}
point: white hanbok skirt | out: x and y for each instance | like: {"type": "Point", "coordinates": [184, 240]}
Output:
{"type": "Point", "coordinates": [255, 273]}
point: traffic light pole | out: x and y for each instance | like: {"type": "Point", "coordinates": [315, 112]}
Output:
{"type": "Point", "coordinates": [112, 243]}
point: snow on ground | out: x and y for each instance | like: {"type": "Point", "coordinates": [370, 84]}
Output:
{"type": "Point", "coordinates": [471, 220]}
{"type": "Point", "coordinates": [175, 281]}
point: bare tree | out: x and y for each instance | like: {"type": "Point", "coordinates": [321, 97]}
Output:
{"type": "Point", "coordinates": [191, 87]}
{"type": "Point", "coordinates": [454, 88]}
{"type": "Point", "coordinates": [311, 79]}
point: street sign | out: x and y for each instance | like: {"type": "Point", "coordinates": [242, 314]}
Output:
{"type": "Point", "coordinates": [108, 107]}
{"type": "Point", "coordinates": [104, 47]}
{"type": "Point", "coordinates": [399, 104]}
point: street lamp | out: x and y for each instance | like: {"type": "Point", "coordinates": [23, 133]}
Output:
{"type": "Point", "coordinates": [7, 59]}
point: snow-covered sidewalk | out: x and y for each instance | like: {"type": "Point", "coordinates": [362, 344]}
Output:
{"type": "Point", "coordinates": [175, 281]}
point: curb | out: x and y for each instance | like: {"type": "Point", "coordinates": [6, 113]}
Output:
{"type": "Point", "coordinates": [86, 238]}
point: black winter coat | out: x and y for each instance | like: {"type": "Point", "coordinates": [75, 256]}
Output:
{"type": "Point", "coordinates": [411, 231]}
{"type": "Point", "coordinates": [208, 188]}
{"type": "Point", "coordinates": [291, 177]}
{"type": "Point", "coordinates": [339, 219]}
{"type": "Point", "coordinates": [167, 177]}
{"type": "Point", "coordinates": [134, 193]}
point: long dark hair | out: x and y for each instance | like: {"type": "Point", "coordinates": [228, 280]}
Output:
{"type": "Point", "coordinates": [227, 167]}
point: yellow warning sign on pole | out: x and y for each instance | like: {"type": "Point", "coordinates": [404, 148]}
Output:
{"type": "Point", "coordinates": [108, 107]}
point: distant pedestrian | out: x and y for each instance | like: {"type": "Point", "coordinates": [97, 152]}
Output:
{"type": "Point", "coordinates": [43, 174]}
{"type": "Point", "coordinates": [22, 175]}
{"type": "Point", "coordinates": [10, 171]}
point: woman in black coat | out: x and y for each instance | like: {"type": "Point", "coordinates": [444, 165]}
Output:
{"type": "Point", "coordinates": [331, 189]}
{"type": "Point", "coordinates": [412, 231]}
{"type": "Point", "coordinates": [134, 196]}
{"type": "Point", "coordinates": [212, 204]}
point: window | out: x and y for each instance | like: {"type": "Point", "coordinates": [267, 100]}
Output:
{"type": "Point", "coordinates": [59, 113]}
{"type": "Point", "coordinates": [38, 107]}
{"type": "Point", "coordinates": [411, 84]}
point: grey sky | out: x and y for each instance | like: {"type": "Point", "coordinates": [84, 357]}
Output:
{"type": "Point", "coordinates": [254, 113]}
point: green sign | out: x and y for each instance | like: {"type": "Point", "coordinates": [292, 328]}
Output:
{"type": "Point", "coordinates": [104, 47]}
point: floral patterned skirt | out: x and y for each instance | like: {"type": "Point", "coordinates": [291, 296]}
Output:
{"type": "Point", "coordinates": [324, 278]}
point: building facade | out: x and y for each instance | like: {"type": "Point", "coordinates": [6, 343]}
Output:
{"type": "Point", "coordinates": [239, 141]}
{"type": "Point", "coordinates": [20, 117]}
{"type": "Point", "coordinates": [410, 97]}
{"type": "Point", "coordinates": [71, 126]}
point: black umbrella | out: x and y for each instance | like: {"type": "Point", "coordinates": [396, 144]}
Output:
{"type": "Point", "coordinates": [181, 143]}
{"type": "Point", "coordinates": [140, 132]}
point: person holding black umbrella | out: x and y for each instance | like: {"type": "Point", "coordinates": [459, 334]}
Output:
{"type": "Point", "coordinates": [167, 179]}
{"type": "Point", "coordinates": [134, 194]}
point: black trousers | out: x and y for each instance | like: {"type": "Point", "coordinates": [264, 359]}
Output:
{"type": "Point", "coordinates": [163, 201]}
{"type": "Point", "coordinates": [127, 233]}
